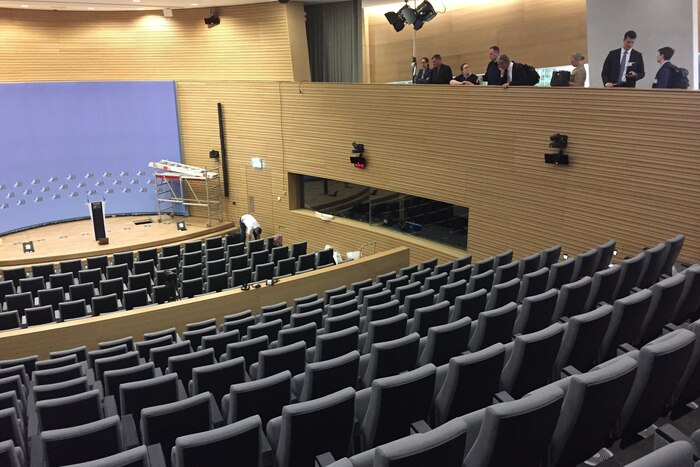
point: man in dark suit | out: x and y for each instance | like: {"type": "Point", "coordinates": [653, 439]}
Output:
{"type": "Point", "coordinates": [440, 73]}
{"type": "Point", "coordinates": [423, 72]}
{"type": "Point", "coordinates": [514, 74]}
{"type": "Point", "coordinates": [493, 74]}
{"type": "Point", "coordinates": [663, 76]}
{"type": "Point", "coordinates": [623, 67]}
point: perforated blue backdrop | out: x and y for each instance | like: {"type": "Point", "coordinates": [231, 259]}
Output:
{"type": "Point", "coordinates": [62, 144]}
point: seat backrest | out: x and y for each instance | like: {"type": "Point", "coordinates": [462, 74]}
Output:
{"type": "Point", "coordinates": [392, 357]}
{"type": "Point", "coordinates": [264, 397]}
{"type": "Point", "coordinates": [603, 287]}
{"type": "Point", "coordinates": [662, 363]}
{"type": "Point", "coordinates": [87, 442]}
{"type": "Point", "coordinates": [506, 436]}
{"type": "Point", "coordinates": [317, 304]}
{"type": "Point", "coordinates": [418, 300]}
{"type": "Point", "coordinates": [421, 275]}
{"type": "Point", "coordinates": [689, 301]}
{"type": "Point", "coordinates": [104, 304]}
{"type": "Point", "coordinates": [469, 305]}
{"type": "Point", "coordinates": [429, 316]}
{"type": "Point", "coordinates": [465, 272]}
{"type": "Point", "coordinates": [445, 341]}
{"type": "Point", "coordinates": [217, 378]}
{"type": "Point", "coordinates": [164, 423]}
{"type": "Point", "coordinates": [332, 293]}
{"type": "Point", "coordinates": [64, 412]}
{"type": "Point", "coordinates": [560, 274]}
{"type": "Point", "coordinates": [218, 342]}
{"type": "Point", "coordinates": [533, 283]}
{"type": "Point", "coordinates": [136, 395]}
{"type": "Point", "coordinates": [626, 322]}
{"type": "Point", "coordinates": [654, 259]}
{"type": "Point", "coordinates": [305, 333]}
{"type": "Point", "coordinates": [382, 310]}
{"type": "Point", "coordinates": [329, 418]}
{"type": "Point", "coordinates": [470, 382]}
{"type": "Point", "coordinates": [183, 365]}
{"type": "Point", "coordinates": [536, 312]}
{"type": "Point", "coordinates": [550, 256]}
{"type": "Point", "coordinates": [674, 248]}
{"type": "Point", "coordinates": [337, 323]}
{"type": "Point", "coordinates": [506, 272]}
{"type": "Point", "coordinates": [493, 326]}
{"type": "Point", "coordinates": [195, 335]}
{"type": "Point", "coordinates": [241, 276]}
{"type": "Point", "coordinates": [443, 446]}
{"type": "Point", "coordinates": [383, 330]}
{"type": "Point", "coordinates": [462, 261]}
{"type": "Point", "coordinates": [57, 375]}
{"type": "Point", "coordinates": [241, 325]}
{"type": "Point", "coordinates": [214, 447]}
{"type": "Point", "coordinates": [290, 357]}
{"type": "Point", "coordinates": [342, 308]}
{"type": "Point", "coordinates": [396, 402]}
{"type": "Point", "coordinates": [56, 362]}
{"type": "Point", "coordinates": [665, 295]}
{"type": "Point", "coordinates": [451, 291]}
{"type": "Point", "coordinates": [300, 319]}
{"type": "Point", "coordinates": [115, 362]}
{"type": "Point", "coordinates": [677, 454]}
{"type": "Point", "coordinates": [581, 345]}
{"type": "Point", "coordinates": [531, 360]}
{"type": "Point", "coordinates": [135, 298]}
{"type": "Point", "coordinates": [480, 281]}
{"type": "Point", "coordinates": [328, 376]}
{"type": "Point", "coordinates": [144, 347]}
{"type": "Point", "coordinates": [248, 349]}
{"type": "Point", "coordinates": [342, 298]}
{"type": "Point", "coordinates": [11, 455]}
{"type": "Point", "coordinates": [28, 363]}
{"type": "Point", "coordinates": [502, 294]}
{"type": "Point", "coordinates": [435, 282]}
{"type": "Point", "coordinates": [285, 314]}
{"type": "Point", "coordinates": [368, 290]}
{"type": "Point", "coordinates": [113, 379]}
{"type": "Point", "coordinates": [19, 302]}
{"type": "Point", "coordinates": [586, 264]}
{"type": "Point", "coordinates": [484, 265]}
{"type": "Point", "coordinates": [52, 297]}
{"type": "Point", "coordinates": [591, 406]}
{"type": "Point", "coordinates": [334, 344]}
{"type": "Point", "coordinates": [161, 354]}
{"type": "Point", "coordinates": [386, 277]}
{"type": "Point", "coordinates": [572, 298]}
{"type": "Point", "coordinates": [529, 264]}
{"type": "Point", "coordinates": [607, 250]}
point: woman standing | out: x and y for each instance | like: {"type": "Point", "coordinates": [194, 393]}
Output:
{"type": "Point", "coordinates": [578, 75]}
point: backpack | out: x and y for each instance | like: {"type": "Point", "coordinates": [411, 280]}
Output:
{"type": "Point", "coordinates": [560, 78]}
{"type": "Point", "coordinates": [679, 78]}
{"type": "Point", "coordinates": [532, 76]}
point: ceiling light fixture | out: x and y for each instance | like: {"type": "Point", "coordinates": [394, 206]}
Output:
{"type": "Point", "coordinates": [24, 6]}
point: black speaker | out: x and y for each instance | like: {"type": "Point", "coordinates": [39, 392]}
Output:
{"type": "Point", "coordinates": [557, 159]}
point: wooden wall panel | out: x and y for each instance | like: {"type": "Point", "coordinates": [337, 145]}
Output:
{"type": "Point", "coordinates": [260, 42]}
{"type": "Point", "coordinates": [634, 174]}
{"type": "Point", "coordinates": [538, 32]}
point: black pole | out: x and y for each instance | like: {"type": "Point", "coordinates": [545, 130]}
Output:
{"type": "Point", "coordinates": [222, 141]}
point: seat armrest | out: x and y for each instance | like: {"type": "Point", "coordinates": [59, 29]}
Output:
{"type": "Point", "coordinates": [98, 385]}
{"type": "Point", "coordinates": [267, 455]}
{"type": "Point", "coordinates": [215, 414]}
{"type": "Point", "coordinates": [564, 319]}
{"type": "Point", "coordinates": [36, 452]}
{"type": "Point", "coordinates": [32, 422]}
{"type": "Point", "coordinates": [158, 372]}
{"type": "Point", "coordinates": [570, 371]}
{"type": "Point", "coordinates": [156, 456]}
{"type": "Point", "coordinates": [517, 334]}
{"type": "Point", "coordinates": [624, 348]}
{"type": "Point", "coordinates": [421, 426]}
{"type": "Point", "coordinates": [670, 327]}
{"type": "Point", "coordinates": [667, 434]}
{"type": "Point", "coordinates": [502, 396]}
{"type": "Point", "coordinates": [129, 433]}
{"type": "Point", "coordinates": [603, 303]}
{"type": "Point", "coordinates": [181, 393]}
{"type": "Point", "coordinates": [664, 276]}
{"type": "Point", "coordinates": [109, 406]}
{"type": "Point", "coordinates": [635, 290]}
{"type": "Point", "coordinates": [325, 459]}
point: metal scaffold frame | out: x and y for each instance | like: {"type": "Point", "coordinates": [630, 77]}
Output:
{"type": "Point", "coordinates": [169, 175]}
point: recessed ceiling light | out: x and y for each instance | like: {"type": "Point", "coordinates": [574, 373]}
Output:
{"type": "Point", "coordinates": [91, 8]}
{"type": "Point", "coordinates": [24, 6]}
{"type": "Point", "coordinates": [136, 1]}
{"type": "Point", "coordinates": [194, 4]}
{"type": "Point", "coordinates": [140, 8]}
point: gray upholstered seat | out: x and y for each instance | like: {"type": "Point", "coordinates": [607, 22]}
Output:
{"type": "Point", "coordinates": [326, 377]}
{"type": "Point", "coordinates": [678, 454]}
{"type": "Point", "coordinates": [586, 264]}
{"type": "Point", "coordinates": [533, 283]}
{"type": "Point", "coordinates": [291, 357]}
{"type": "Point", "coordinates": [603, 287]}
{"type": "Point", "coordinates": [506, 272]}
{"type": "Point", "coordinates": [264, 397]}
{"type": "Point", "coordinates": [493, 326]}
{"type": "Point", "coordinates": [550, 256]}
{"type": "Point", "coordinates": [572, 298]}
{"type": "Point", "coordinates": [582, 342]}
{"type": "Point", "coordinates": [654, 259]}
{"type": "Point", "coordinates": [560, 274]}
{"type": "Point", "coordinates": [625, 323]}
{"type": "Point", "coordinates": [536, 312]}
{"type": "Point", "coordinates": [502, 294]}
{"type": "Point", "coordinates": [135, 457]}
{"type": "Point", "coordinates": [630, 272]}
{"type": "Point", "coordinates": [333, 344]}
{"type": "Point", "coordinates": [665, 296]}
{"type": "Point", "coordinates": [382, 330]}
{"type": "Point", "coordinates": [82, 443]}
{"type": "Point", "coordinates": [689, 301]}
{"type": "Point", "coordinates": [64, 412]}
{"type": "Point", "coordinates": [451, 291]}
{"type": "Point", "coordinates": [469, 305]}
{"type": "Point", "coordinates": [389, 358]}
{"type": "Point", "coordinates": [444, 342]}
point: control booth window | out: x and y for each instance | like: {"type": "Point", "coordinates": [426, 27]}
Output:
{"type": "Point", "coordinates": [421, 217]}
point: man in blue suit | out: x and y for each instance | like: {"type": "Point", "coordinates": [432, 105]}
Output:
{"type": "Point", "coordinates": [623, 67]}
{"type": "Point", "coordinates": [663, 76]}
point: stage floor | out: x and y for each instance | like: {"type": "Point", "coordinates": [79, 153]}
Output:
{"type": "Point", "coordinates": [76, 239]}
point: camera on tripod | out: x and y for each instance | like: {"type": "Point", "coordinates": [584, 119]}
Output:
{"type": "Point", "coordinates": [171, 282]}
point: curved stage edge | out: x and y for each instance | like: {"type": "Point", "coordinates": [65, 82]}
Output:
{"type": "Point", "coordinates": [45, 338]}
{"type": "Point", "coordinates": [71, 240]}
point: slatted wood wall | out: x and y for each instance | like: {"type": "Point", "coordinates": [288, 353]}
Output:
{"type": "Point", "coordinates": [634, 175]}
{"type": "Point", "coordinates": [539, 32]}
{"type": "Point", "coordinates": [253, 42]}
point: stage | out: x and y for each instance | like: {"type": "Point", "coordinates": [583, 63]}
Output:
{"type": "Point", "coordinates": [68, 240]}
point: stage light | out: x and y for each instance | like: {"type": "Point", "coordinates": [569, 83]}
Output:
{"type": "Point", "coordinates": [408, 14]}
{"type": "Point", "coordinates": [28, 247]}
{"type": "Point", "coordinates": [395, 20]}
{"type": "Point", "coordinates": [426, 12]}
{"type": "Point", "coordinates": [212, 21]}
{"type": "Point", "coordinates": [181, 226]}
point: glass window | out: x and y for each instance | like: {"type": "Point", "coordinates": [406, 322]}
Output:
{"type": "Point", "coordinates": [422, 217]}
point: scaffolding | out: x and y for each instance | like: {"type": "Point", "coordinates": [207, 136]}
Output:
{"type": "Point", "coordinates": [181, 184]}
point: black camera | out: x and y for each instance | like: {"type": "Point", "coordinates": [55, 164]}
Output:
{"type": "Point", "coordinates": [558, 141]}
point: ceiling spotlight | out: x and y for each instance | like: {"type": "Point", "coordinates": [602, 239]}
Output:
{"type": "Point", "coordinates": [425, 11]}
{"type": "Point", "coordinates": [408, 14]}
{"type": "Point", "coordinates": [395, 20]}
{"type": "Point", "coordinates": [212, 21]}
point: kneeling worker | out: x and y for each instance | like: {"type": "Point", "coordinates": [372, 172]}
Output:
{"type": "Point", "coordinates": [250, 228]}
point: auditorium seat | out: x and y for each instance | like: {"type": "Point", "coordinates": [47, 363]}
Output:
{"type": "Point", "coordinates": [9, 320]}
{"type": "Point", "coordinates": [240, 325]}
{"type": "Point", "coordinates": [291, 357]}
{"type": "Point", "coordinates": [468, 382]}
{"type": "Point", "coordinates": [269, 329]}
{"type": "Point", "coordinates": [338, 309]}
{"type": "Point", "coordinates": [145, 266]}
{"type": "Point", "coordinates": [97, 262]}
{"type": "Point", "coordinates": [386, 410]}
{"type": "Point", "coordinates": [28, 362]}
{"type": "Point", "coordinates": [630, 272]}
{"type": "Point", "coordinates": [65, 412]}
{"type": "Point", "coordinates": [39, 315]}
{"type": "Point", "coordinates": [285, 267]}
{"type": "Point", "coordinates": [84, 292]}
{"type": "Point", "coordinates": [105, 304]}
{"type": "Point", "coordinates": [530, 359]}
{"type": "Point", "coordinates": [536, 312]}
{"type": "Point", "coordinates": [127, 341]}
{"type": "Point", "coordinates": [11, 455]}
{"type": "Point", "coordinates": [116, 362]}
{"type": "Point", "coordinates": [135, 298]}
{"type": "Point", "coordinates": [435, 281]}
{"type": "Point", "coordinates": [191, 288]}
{"type": "Point", "coordinates": [217, 266]}
{"type": "Point", "coordinates": [32, 284]}
{"type": "Point", "coordinates": [213, 448]}
{"type": "Point", "coordinates": [586, 264]}
{"type": "Point", "coordinates": [79, 352]}
{"type": "Point", "coordinates": [583, 340]}
{"type": "Point", "coordinates": [241, 277]}
{"type": "Point", "coordinates": [147, 254]}
{"type": "Point", "coordinates": [419, 300]}
{"type": "Point", "coordinates": [427, 317]}
{"type": "Point", "coordinates": [192, 271]}
{"type": "Point", "coordinates": [503, 434]}
{"type": "Point", "coordinates": [161, 354]}
{"type": "Point", "coordinates": [665, 295]}
{"type": "Point", "coordinates": [15, 384]}
{"type": "Point", "coordinates": [378, 298]}
{"type": "Point", "coordinates": [326, 377]}
{"type": "Point", "coordinates": [607, 251]}
{"type": "Point", "coordinates": [264, 397]}
{"type": "Point", "coordinates": [484, 265]}
{"type": "Point", "coordinates": [550, 256]}
{"type": "Point", "coordinates": [235, 249]}
{"type": "Point", "coordinates": [444, 342]}
{"type": "Point", "coordinates": [502, 259]}
{"type": "Point", "coordinates": [329, 293]}
{"type": "Point", "coordinates": [6, 288]}
{"type": "Point", "coordinates": [43, 270]}
{"type": "Point", "coordinates": [56, 362]}
{"type": "Point", "coordinates": [661, 364]}
{"type": "Point", "coordinates": [504, 293]}
{"type": "Point", "coordinates": [259, 257]}
{"type": "Point", "coordinates": [506, 272]}
{"type": "Point", "coordinates": [462, 261]}
{"type": "Point", "coordinates": [14, 275]}
{"type": "Point", "coordinates": [469, 305]}
{"type": "Point", "coordinates": [255, 246]}
{"type": "Point", "coordinates": [333, 344]}
{"type": "Point", "coordinates": [213, 242]}
{"type": "Point", "coordinates": [139, 456]}
{"type": "Point", "coordinates": [306, 262]}
{"type": "Point", "coordinates": [141, 281]}
{"type": "Point", "coordinates": [112, 286]}
{"type": "Point", "coordinates": [72, 309]}
{"type": "Point", "coordinates": [654, 259]}
{"type": "Point", "coordinates": [63, 280]}
{"type": "Point", "coordinates": [218, 342]}
{"type": "Point", "coordinates": [593, 399]}
{"type": "Point", "coordinates": [401, 288]}
{"type": "Point", "coordinates": [298, 249]}
{"type": "Point", "coordinates": [382, 330]}
{"type": "Point", "coordinates": [170, 262]}
{"type": "Point", "coordinates": [284, 314]}
{"type": "Point", "coordinates": [12, 427]}
{"type": "Point", "coordinates": [248, 349]}
{"type": "Point", "coordinates": [603, 287]}
{"type": "Point", "coordinates": [689, 301]}
{"type": "Point", "coordinates": [115, 378]}
{"type": "Point", "coordinates": [329, 418]}
{"type": "Point", "coordinates": [93, 355]}
{"type": "Point", "coordinates": [238, 315]}
{"type": "Point", "coordinates": [677, 454]}
{"type": "Point", "coordinates": [420, 276]}
{"type": "Point", "coordinates": [182, 365]}
{"type": "Point", "coordinates": [674, 245]}
{"type": "Point", "coordinates": [264, 271]}
{"type": "Point", "coordinates": [52, 297]}
{"type": "Point", "coordinates": [389, 358]}
{"type": "Point", "coordinates": [217, 378]}
{"type": "Point", "coordinates": [300, 319]}
{"type": "Point", "coordinates": [560, 274]}
{"type": "Point", "coordinates": [493, 326]}
{"type": "Point", "coordinates": [324, 257]}
{"type": "Point", "coordinates": [386, 277]}
{"type": "Point", "coordinates": [162, 424]}
{"type": "Point", "coordinates": [192, 258]}
{"type": "Point", "coordinates": [137, 395]}
{"type": "Point", "coordinates": [572, 298]}
{"type": "Point", "coordinates": [170, 250]}
{"type": "Point", "coordinates": [85, 442]}
{"type": "Point", "coordinates": [480, 281]}
{"type": "Point", "coordinates": [465, 272]}
{"type": "Point", "coordinates": [90, 276]}
{"type": "Point", "coordinates": [74, 266]}
{"type": "Point", "coordinates": [305, 333]}
{"type": "Point", "coordinates": [444, 267]}
{"type": "Point", "coordinates": [62, 389]}
{"type": "Point", "coordinates": [144, 347]}
{"type": "Point", "coordinates": [533, 283]}
{"type": "Point", "coordinates": [126, 257]}
{"type": "Point", "coordinates": [529, 264]}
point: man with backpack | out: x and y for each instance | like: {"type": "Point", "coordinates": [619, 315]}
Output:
{"type": "Point", "coordinates": [669, 75]}
{"type": "Point", "coordinates": [516, 74]}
